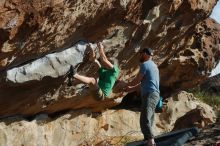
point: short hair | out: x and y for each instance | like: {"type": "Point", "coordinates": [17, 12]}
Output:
{"type": "Point", "coordinates": [147, 51]}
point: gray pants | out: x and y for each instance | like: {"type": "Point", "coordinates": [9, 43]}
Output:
{"type": "Point", "coordinates": [148, 105]}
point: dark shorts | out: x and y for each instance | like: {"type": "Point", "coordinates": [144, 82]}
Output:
{"type": "Point", "coordinates": [98, 94]}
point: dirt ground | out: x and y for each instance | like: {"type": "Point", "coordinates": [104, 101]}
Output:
{"type": "Point", "coordinates": [209, 136]}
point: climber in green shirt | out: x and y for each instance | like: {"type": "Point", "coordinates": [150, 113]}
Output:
{"type": "Point", "coordinates": [108, 74]}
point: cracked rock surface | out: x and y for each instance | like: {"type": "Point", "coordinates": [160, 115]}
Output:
{"type": "Point", "coordinates": [40, 39]}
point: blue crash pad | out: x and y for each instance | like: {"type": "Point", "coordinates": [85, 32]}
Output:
{"type": "Point", "coordinates": [174, 138]}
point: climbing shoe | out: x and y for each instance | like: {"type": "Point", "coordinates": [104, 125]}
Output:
{"type": "Point", "coordinates": [70, 75]}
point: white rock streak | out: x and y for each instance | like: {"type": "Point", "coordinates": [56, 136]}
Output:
{"type": "Point", "coordinates": [53, 65]}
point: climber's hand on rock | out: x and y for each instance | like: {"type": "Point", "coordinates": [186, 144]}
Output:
{"type": "Point", "coordinates": [100, 45]}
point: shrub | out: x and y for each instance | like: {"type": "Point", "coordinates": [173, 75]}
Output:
{"type": "Point", "coordinates": [210, 98]}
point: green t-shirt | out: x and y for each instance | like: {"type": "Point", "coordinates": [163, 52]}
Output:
{"type": "Point", "coordinates": [107, 78]}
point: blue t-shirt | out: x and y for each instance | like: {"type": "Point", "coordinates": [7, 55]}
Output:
{"type": "Point", "coordinates": [150, 81]}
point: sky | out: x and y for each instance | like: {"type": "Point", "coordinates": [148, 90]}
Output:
{"type": "Point", "coordinates": [216, 15]}
{"type": "Point", "coordinates": [216, 12]}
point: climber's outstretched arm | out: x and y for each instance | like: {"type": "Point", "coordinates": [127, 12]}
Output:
{"type": "Point", "coordinates": [104, 60]}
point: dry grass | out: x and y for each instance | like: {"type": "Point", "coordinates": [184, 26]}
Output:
{"type": "Point", "coordinates": [211, 99]}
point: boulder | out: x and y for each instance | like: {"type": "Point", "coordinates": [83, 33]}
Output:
{"type": "Point", "coordinates": [111, 127]}
{"type": "Point", "coordinates": [41, 39]}
{"type": "Point", "coordinates": [183, 110]}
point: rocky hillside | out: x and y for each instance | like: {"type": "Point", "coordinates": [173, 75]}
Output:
{"type": "Point", "coordinates": [40, 39]}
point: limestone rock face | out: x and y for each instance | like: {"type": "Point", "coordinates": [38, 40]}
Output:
{"type": "Point", "coordinates": [190, 65]}
{"type": "Point", "coordinates": [111, 127]}
{"type": "Point", "coordinates": [183, 110]}
{"type": "Point", "coordinates": [41, 39]}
